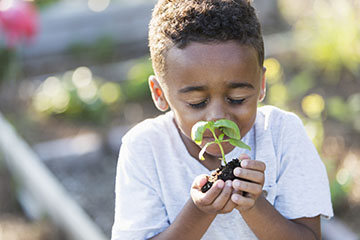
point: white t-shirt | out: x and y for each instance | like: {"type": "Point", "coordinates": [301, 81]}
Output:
{"type": "Point", "coordinates": [155, 173]}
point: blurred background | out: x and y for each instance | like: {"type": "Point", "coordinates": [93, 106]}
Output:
{"type": "Point", "coordinates": [73, 80]}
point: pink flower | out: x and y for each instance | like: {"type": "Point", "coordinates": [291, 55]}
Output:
{"type": "Point", "coordinates": [19, 21]}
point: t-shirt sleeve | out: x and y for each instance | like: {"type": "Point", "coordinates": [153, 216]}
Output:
{"type": "Point", "coordinates": [139, 210]}
{"type": "Point", "coordinates": [302, 182]}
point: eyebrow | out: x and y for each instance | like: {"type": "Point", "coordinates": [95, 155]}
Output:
{"type": "Point", "coordinates": [241, 85]}
{"type": "Point", "coordinates": [191, 89]}
{"type": "Point", "coordinates": [202, 88]}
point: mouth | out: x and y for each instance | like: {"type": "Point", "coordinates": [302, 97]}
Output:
{"type": "Point", "coordinates": [211, 138]}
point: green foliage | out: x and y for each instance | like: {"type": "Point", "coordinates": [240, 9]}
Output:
{"type": "Point", "coordinates": [103, 50]}
{"type": "Point", "coordinates": [329, 37]}
{"type": "Point", "coordinates": [77, 95]}
{"type": "Point", "coordinates": [300, 84]}
{"type": "Point", "coordinates": [227, 128]}
{"type": "Point", "coordinates": [323, 75]}
{"type": "Point", "coordinates": [338, 109]}
{"type": "Point", "coordinates": [136, 88]}
{"type": "Point", "coordinates": [44, 3]}
{"type": "Point", "coordinates": [9, 64]}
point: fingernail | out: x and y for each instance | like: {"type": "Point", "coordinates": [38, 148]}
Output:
{"type": "Point", "coordinates": [237, 171]}
{"type": "Point", "coordinates": [220, 184]}
{"type": "Point", "coordinates": [236, 184]}
{"type": "Point", "coordinates": [229, 183]}
{"type": "Point", "coordinates": [244, 163]}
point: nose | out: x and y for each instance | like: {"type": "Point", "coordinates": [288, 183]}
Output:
{"type": "Point", "coordinates": [216, 111]}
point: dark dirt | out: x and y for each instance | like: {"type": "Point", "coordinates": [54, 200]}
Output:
{"type": "Point", "coordinates": [224, 173]}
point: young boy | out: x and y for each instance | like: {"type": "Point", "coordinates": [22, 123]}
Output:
{"type": "Point", "coordinates": [208, 61]}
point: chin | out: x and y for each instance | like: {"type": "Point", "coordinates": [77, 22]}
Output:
{"type": "Point", "coordinates": [214, 150]}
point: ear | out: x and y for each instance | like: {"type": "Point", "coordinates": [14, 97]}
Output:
{"type": "Point", "coordinates": [157, 94]}
{"type": "Point", "coordinates": [263, 85]}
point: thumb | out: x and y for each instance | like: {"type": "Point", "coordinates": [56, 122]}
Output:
{"type": "Point", "coordinates": [200, 181]}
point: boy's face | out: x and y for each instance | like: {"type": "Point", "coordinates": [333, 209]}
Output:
{"type": "Point", "coordinates": [211, 82]}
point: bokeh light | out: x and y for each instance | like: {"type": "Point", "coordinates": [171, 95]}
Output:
{"type": "Point", "coordinates": [273, 70]}
{"type": "Point", "coordinates": [88, 93]}
{"type": "Point", "coordinates": [313, 105]}
{"type": "Point", "coordinates": [51, 96]}
{"type": "Point", "coordinates": [343, 176]}
{"type": "Point", "coordinates": [82, 77]}
{"type": "Point", "coordinates": [110, 92]}
{"type": "Point", "coordinates": [98, 5]}
{"type": "Point", "coordinates": [6, 4]}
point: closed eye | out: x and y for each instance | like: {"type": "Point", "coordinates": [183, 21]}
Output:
{"type": "Point", "coordinates": [235, 101]}
{"type": "Point", "coordinates": [199, 105]}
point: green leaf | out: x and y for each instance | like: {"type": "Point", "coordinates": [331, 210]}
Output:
{"type": "Point", "coordinates": [197, 131]}
{"type": "Point", "coordinates": [221, 137]}
{"type": "Point", "coordinates": [239, 143]}
{"type": "Point", "coordinates": [202, 152]}
{"type": "Point", "coordinates": [229, 128]}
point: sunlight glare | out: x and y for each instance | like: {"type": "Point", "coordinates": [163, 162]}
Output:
{"type": "Point", "coordinates": [98, 5]}
{"type": "Point", "coordinates": [6, 5]}
{"type": "Point", "coordinates": [82, 77]}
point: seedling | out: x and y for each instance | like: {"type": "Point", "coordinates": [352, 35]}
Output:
{"type": "Point", "coordinates": [229, 132]}
{"type": "Point", "coordinates": [226, 127]}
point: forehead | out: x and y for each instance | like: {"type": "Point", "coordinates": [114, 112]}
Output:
{"type": "Point", "coordinates": [203, 61]}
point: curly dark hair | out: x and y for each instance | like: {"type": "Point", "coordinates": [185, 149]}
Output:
{"type": "Point", "coordinates": [179, 22]}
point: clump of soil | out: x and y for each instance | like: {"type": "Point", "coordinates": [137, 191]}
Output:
{"type": "Point", "coordinates": [224, 173]}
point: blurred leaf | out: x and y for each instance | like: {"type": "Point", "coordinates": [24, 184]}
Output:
{"type": "Point", "coordinates": [77, 95]}
{"type": "Point", "coordinates": [136, 87]}
{"type": "Point", "coordinates": [102, 50]}
{"type": "Point", "coordinates": [329, 36]}
{"type": "Point", "coordinates": [338, 195]}
{"type": "Point", "coordinates": [278, 95]}
{"type": "Point", "coordinates": [354, 103]}
{"type": "Point", "coordinates": [315, 131]}
{"type": "Point", "coordinates": [338, 109]}
{"type": "Point", "coordinates": [300, 84]}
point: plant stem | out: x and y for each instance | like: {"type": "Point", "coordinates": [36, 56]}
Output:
{"type": "Point", "coordinates": [219, 144]}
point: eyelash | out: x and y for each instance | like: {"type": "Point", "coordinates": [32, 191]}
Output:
{"type": "Point", "coordinates": [235, 101]}
{"type": "Point", "coordinates": [198, 105]}
{"type": "Point", "coordinates": [229, 100]}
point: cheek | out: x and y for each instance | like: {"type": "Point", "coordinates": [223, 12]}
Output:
{"type": "Point", "coordinates": [246, 118]}
{"type": "Point", "coordinates": [185, 121]}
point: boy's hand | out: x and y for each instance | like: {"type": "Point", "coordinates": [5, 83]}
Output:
{"type": "Point", "coordinates": [216, 200]}
{"type": "Point", "coordinates": [253, 172]}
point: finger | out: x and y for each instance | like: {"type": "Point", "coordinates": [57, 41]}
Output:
{"type": "Point", "coordinates": [249, 187]}
{"type": "Point", "coordinates": [212, 194]}
{"type": "Point", "coordinates": [243, 156]}
{"type": "Point", "coordinates": [251, 175]}
{"type": "Point", "coordinates": [200, 181]}
{"type": "Point", "coordinates": [223, 197]}
{"type": "Point", "coordinates": [229, 206]}
{"type": "Point", "coordinates": [253, 164]}
{"type": "Point", "coordinates": [242, 201]}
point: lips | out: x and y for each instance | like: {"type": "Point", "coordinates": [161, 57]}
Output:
{"type": "Point", "coordinates": [211, 138]}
